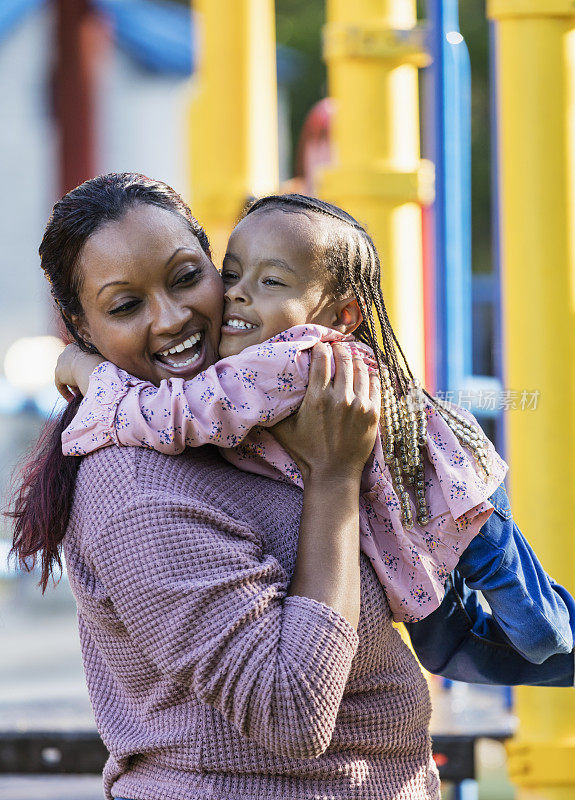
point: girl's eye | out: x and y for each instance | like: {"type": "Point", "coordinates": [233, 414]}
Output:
{"type": "Point", "coordinates": [125, 307]}
{"type": "Point", "coordinates": [272, 282]}
{"type": "Point", "coordinates": [188, 277]}
{"type": "Point", "coordinates": [228, 276]}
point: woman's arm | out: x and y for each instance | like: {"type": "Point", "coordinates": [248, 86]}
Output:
{"type": "Point", "coordinates": [331, 439]}
{"type": "Point", "coordinates": [197, 592]}
{"type": "Point", "coordinates": [205, 603]}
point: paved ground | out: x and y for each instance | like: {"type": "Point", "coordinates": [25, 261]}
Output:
{"type": "Point", "coordinates": [52, 788]}
{"type": "Point", "coordinates": [41, 675]}
{"type": "Point", "coordinates": [42, 683]}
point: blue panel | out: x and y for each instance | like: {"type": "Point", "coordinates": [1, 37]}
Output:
{"type": "Point", "coordinates": [466, 790]}
{"type": "Point", "coordinates": [13, 11]}
{"type": "Point", "coordinates": [156, 33]}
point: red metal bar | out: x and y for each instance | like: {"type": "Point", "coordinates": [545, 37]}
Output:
{"type": "Point", "coordinates": [80, 37]}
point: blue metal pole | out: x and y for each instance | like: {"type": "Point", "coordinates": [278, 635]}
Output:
{"type": "Point", "coordinates": [466, 790]}
{"type": "Point", "coordinates": [451, 81]}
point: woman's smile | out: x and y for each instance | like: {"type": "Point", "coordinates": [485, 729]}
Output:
{"type": "Point", "coordinates": [184, 353]}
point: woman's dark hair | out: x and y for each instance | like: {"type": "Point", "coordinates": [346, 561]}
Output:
{"type": "Point", "coordinates": [44, 498]}
{"type": "Point", "coordinates": [351, 258]}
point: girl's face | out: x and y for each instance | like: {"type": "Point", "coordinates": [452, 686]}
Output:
{"type": "Point", "coordinates": [274, 278]}
{"type": "Point", "coordinates": [151, 298]}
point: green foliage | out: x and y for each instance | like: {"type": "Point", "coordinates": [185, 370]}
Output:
{"type": "Point", "coordinates": [299, 25]}
{"type": "Point", "coordinates": [474, 27]}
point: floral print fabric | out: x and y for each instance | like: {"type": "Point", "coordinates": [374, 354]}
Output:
{"type": "Point", "coordinates": [233, 402]}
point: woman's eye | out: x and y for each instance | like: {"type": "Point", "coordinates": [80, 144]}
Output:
{"type": "Point", "coordinates": [125, 307]}
{"type": "Point", "coordinates": [188, 277]}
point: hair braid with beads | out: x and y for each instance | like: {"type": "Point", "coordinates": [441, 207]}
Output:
{"type": "Point", "coordinates": [352, 259]}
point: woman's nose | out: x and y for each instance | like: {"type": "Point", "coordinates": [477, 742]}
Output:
{"type": "Point", "coordinates": [168, 317]}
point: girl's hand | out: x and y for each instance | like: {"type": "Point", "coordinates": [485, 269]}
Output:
{"type": "Point", "coordinates": [333, 433]}
{"type": "Point", "coordinates": [73, 371]}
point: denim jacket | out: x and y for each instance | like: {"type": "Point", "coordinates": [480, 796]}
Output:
{"type": "Point", "coordinates": [530, 610]}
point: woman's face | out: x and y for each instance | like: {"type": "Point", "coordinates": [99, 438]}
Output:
{"type": "Point", "coordinates": [151, 298]}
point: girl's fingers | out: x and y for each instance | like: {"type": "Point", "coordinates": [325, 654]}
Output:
{"type": "Point", "coordinates": [65, 392]}
{"type": "Point", "coordinates": [320, 367]}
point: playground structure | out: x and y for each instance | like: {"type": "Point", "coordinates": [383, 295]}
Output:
{"type": "Point", "coordinates": [373, 50]}
{"type": "Point", "coordinates": [376, 54]}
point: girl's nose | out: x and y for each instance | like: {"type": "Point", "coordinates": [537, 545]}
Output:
{"type": "Point", "coordinates": [237, 293]}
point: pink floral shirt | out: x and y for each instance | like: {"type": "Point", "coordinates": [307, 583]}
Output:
{"type": "Point", "coordinates": [233, 402]}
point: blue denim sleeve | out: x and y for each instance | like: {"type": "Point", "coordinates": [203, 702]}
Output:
{"type": "Point", "coordinates": [534, 613]}
{"type": "Point", "coordinates": [460, 641]}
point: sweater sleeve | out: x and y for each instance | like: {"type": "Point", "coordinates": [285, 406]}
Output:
{"type": "Point", "coordinates": [260, 386]}
{"type": "Point", "coordinates": [204, 602]}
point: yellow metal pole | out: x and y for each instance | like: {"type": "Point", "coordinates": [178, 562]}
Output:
{"type": "Point", "coordinates": [373, 49]}
{"type": "Point", "coordinates": [535, 55]}
{"type": "Point", "coordinates": [233, 115]}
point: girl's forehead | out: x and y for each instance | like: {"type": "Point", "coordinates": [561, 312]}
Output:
{"type": "Point", "coordinates": [303, 233]}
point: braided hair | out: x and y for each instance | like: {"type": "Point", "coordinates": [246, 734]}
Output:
{"type": "Point", "coordinates": [351, 258]}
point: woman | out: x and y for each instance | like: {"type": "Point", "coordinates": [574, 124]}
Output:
{"type": "Point", "coordinates": [226, 650]}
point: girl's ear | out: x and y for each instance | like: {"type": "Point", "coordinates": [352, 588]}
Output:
{"type": "Point", "coordinates": [348, 315]}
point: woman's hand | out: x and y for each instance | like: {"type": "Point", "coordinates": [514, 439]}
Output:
{"type": "Point", "coordinates": [331, 438]}
{"type": "Point", "coordinates": [73, 371]}
{"type": "Point", "coordinates": [333, 433]}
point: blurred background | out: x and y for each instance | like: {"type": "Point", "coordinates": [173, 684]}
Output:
{"type": "Point", "coordinates": [95, 86]}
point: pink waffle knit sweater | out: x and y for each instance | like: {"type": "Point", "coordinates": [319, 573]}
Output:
{"type": "Point", "coordinates": [207, 681]}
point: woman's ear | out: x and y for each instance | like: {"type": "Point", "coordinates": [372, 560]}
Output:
{"type": "Point", "coordinates": [78, 321]}
{"type": "Point", "coordinates": [348, 315]}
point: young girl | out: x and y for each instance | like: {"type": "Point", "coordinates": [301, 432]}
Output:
{"type": "Point", "coordinates": [298, 271]}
